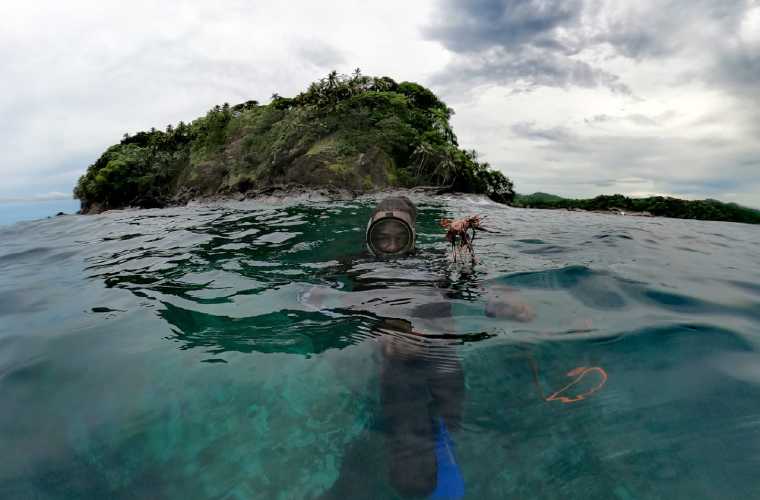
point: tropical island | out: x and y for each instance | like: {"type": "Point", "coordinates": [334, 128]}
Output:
{"type": "Point", "coordinates": [660, 206]}
{"type": "Point", "coordinates": [346, 134]}
{"type": "Point", "coordinates": [349, 132]}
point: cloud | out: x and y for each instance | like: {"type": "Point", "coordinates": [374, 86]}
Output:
{"type": "Point", "coordinates": [684, 167]}
{"type": "Point", "coordinates": [320, 54]}
{"type": "Point", "coordinates": [575, 96]}
{"type": "Point", "coordinates": [53, 195]}
{"type": "Point", "coordinates": [77, 76]}
{"type": "Point", "coordinates": [737, 66]}
{"type": "Point", "coordinates": [523, 42]}
{"type": "Point", "coordinates": [526, 68]}
{"type": "Point", "coordinates": [639, 119]}
{"type": "Point", "coordinates": [528, 43]}
{"type": "Point", "coordinates": [484, 24]}
{"type": "Point", "coordinates": [528, 130]}
{"type": "Point", "coordinates": [590, 96]}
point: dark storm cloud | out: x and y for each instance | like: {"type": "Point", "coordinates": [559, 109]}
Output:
{"type": "Point", "coordinates": [530, 43]}
{"type": "Point", "coordinates": [527, 68]}
{"type": "Point", "coordinates": [738, 69]}
{"type": "Point", "coordinates": [483, 24]}
{"type": "Point", "coordinates": [526, 42]}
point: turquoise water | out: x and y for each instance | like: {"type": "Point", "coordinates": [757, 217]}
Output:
{"type": "Point", "coordinates": [240, 351]}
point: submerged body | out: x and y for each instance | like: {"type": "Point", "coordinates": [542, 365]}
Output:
{"type": "Point", "coordinates": [422, 385]}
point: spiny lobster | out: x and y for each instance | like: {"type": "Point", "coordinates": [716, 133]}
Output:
{"type": "Point", "coordinates": [461, 233]}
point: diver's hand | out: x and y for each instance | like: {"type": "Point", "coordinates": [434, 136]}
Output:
{"type": "Point", "coordinates": [504, 303]}
{"type": "Point", "coordinates": [323, 299]}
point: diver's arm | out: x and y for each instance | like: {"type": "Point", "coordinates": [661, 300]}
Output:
{"type": "Point", "coordinates": [323, 299]}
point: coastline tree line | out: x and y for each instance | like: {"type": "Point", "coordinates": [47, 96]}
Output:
{"type": "Point", "coordinates": [655, 205]}
{"type": "Point", "coordinates": [328, 131]}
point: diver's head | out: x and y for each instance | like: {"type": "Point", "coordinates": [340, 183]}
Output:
{"type": "Point", "coordinates": [391, 228]}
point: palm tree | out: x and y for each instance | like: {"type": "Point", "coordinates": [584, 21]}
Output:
{"type": "Point", "coordinates": [442, 126]}
{"type": "Point", "coordinates": [332, 79]}
{"type": "Point", "coordinates": [422, 153]}
{"type": "Point", "coordinates": [447, 168]}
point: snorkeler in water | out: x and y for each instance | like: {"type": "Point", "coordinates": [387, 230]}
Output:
{"type": "Point", "coordinates": [422, 386]}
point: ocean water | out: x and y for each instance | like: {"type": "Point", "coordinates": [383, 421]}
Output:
{"type": "Point", "coordinates": [251, 350]}
{"type": "Point", "coordinates": [15, 211]}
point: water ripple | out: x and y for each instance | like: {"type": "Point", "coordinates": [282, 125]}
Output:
{"type": "Point", "coordinates": [244, 349]}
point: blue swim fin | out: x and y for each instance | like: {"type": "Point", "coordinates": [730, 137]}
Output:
{"type": "Point", "coordinates": [449, 485]}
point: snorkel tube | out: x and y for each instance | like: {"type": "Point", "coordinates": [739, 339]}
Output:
{"type": "Point", "coordinates": [391, 228]}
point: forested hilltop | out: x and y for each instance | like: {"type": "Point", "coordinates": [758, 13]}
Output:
{"type": "Point", "coordinates": [353, 132]}
{"type": "Point", "coordinates": [655, 205]}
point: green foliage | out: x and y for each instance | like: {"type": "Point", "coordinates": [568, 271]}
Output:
{"type": "Point", "coordinates": [419, 96]}
{"type": "Point", "coordinates": [138, 171]}
{"type": "Point", "coordinates": [210, 132]}
{"type": "Point", "coordinates": [656, 205]}
{"type": "Point", "coordinates": [339, 120]}
{"type": "Point", "coordinates": [536, 199]}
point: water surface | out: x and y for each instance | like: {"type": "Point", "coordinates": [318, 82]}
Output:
{"type": "Point", "coordinates": [234, 351]}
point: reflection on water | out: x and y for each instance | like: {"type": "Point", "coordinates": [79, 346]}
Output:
{"type": "Point", "coordinates": [251, 350]}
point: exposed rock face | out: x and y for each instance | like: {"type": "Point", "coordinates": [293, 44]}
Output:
{"type": "Point", "coordinates": [363, 171]}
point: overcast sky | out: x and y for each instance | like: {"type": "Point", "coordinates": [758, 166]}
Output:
{"type": "Point", "coordinates": [574, 97]}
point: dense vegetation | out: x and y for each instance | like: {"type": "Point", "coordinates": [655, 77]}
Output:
{"type": "Point", "coordinates": [656, 205]}
{"type": "Point", "coordinates": [355, 132]}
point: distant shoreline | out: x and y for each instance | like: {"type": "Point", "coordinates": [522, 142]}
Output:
{"type": "Point", "coordinates": [653, 206]}
{"type": "Point", "coordinates": [598, 205]}
{"type": "Point", "coordinates": [20, 211]}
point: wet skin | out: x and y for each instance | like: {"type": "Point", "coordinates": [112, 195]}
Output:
{"type": "Point", "coordinates": [389, 236]}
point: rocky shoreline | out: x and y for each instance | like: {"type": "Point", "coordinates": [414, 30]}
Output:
{"type": "Point", "coordinates": [281, 192]}
{"type": "Point", "coordinates": [611, 211]}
